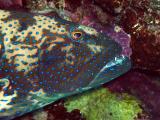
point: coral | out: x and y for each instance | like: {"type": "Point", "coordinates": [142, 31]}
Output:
{"type": "Point", "coordinates": [45, 6]}
{"type": "Point", "coordinates": [144, 27]}
{"type": "Point", "coordinates": [36, 4]}
{"type": "Point", "coordinates": [100, 104]}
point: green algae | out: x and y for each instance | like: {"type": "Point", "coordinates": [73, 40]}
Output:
{"type": "Point", "coordinates": [101, 104]}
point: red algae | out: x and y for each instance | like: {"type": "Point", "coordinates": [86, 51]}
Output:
{"type": "Point", "coordinates": [142, 86]}
{"type": "Point", "coordinates": [138, 19]}
{"type": "Point", "coordinates": [143, 26]}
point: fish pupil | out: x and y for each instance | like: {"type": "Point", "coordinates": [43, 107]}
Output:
{"type": "Point", "coordinates": [77, 35]}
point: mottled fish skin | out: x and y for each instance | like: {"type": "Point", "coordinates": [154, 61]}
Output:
{"type": "Point", "coordinates": [40, 54]}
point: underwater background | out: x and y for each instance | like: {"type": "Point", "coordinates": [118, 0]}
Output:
{"type": "Point", "coordinates": [135, 25]}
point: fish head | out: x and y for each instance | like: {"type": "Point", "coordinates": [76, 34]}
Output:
{"type": "Point", "coordinates": [74, 62]}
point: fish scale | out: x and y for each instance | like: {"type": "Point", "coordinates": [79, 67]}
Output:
{"type": "Point", "coordinates": [44, 59]}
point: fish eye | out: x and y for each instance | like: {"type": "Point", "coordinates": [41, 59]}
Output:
{"type": "Point", "coordinates": [76, 35]}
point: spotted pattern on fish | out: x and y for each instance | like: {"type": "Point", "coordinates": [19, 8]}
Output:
{"type": "Point", "coordinates": [48, 55]}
